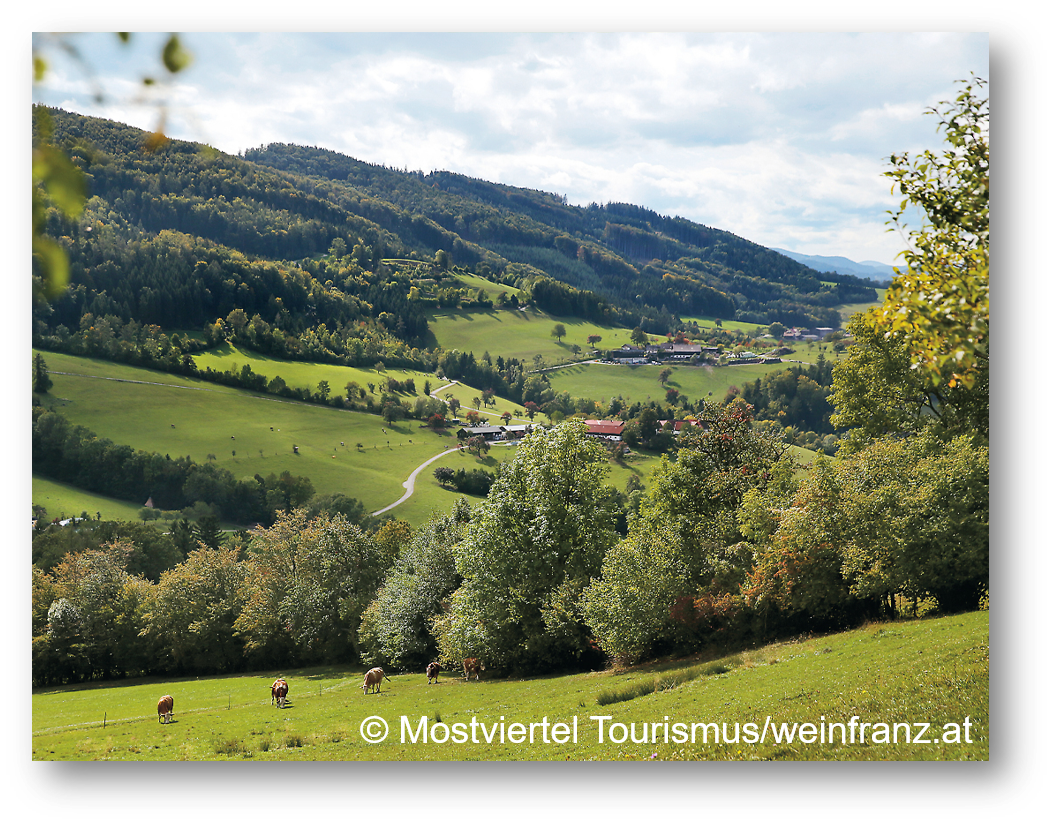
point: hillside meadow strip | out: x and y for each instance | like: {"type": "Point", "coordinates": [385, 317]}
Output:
{"type": "Point", "coordinates": [169, 414]}
{"type": "Point", "coordinates": [920, 686]}
{"type": "Point", "coordinates": [245, 432]}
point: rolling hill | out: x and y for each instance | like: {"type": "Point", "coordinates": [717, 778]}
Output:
{"type": "Point", "coordinates": [304, 264]}
{"type": "Point", "coordinates": [301, 236]}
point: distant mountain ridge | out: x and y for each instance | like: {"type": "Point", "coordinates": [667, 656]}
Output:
{"type": "Point", "coordinates": [306, 238]}
{"type": "Point", "coordinates": [872, 270]}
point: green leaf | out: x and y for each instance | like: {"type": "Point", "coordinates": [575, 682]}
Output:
{"type": "Point", "coordinates": [62, 178]}
{"type": "Point", "coordinates": [174, 56]}
{"type": "Point", "coordinates": [54, 264]}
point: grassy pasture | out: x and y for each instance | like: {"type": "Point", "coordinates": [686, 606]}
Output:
{"type": "Point", "coordinates": [516, 334]}
{"type": "Point", "coordinates": [931, 672]}
{"type": "Point", "coordinates": [492, 290]}
{"type": "Point", "coordinates": [308, 374]}
{"type": "Point", "coordinates": [640, 382]}
{"type": "Point", "coordinates": [63, 500]}
{"type": "Point", "coordinates": [177, 416]}
{"type": "Point", "coordinates": [849, 309]}
{"type": "Point", "coordinates": [139, 407]}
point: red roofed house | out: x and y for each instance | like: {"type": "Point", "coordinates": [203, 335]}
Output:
{"type": "Point", "coordinates": [605, 429]}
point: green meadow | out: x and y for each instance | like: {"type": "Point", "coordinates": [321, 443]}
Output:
{"type": "Point", "coordinates": [519, 334]}
{"type": "Point", "coordinates": [303, 374]}
{"type": "Point", "coordinates": [251, 433]}
{"type": "Point", "coordinates": [62, 501]}
{"type": "Point", "coordinates": [522, 335]}
{"type": "Point", "coordinates": [490, 288]}
{"type": "Point", "coordinates": [848, 310]}
{"type": "Point", "coordinates": [906, 690]}
{"type": "Point", "coordinates": [308, 375]}
{"type": "Point", "coordinates": [640, 382]}
{"type": "Point", "coordinates": [245, 432]}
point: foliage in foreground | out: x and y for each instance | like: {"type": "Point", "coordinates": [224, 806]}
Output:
{"type": "Point", "coordinates": [940, 303]}
{"type": "Point", "coordinates": [396, 626]}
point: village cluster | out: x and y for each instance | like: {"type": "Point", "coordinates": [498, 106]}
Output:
{"type": "Point", "coordinates": [672, 351]}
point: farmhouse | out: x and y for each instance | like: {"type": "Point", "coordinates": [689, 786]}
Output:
{"type": "Point", "coordinates": [805, 334]}
{"type": "Point", "coordinates": [488, 432]}
{"type": "Point", "coordinates": [679, 427]}
{"type": "Point", "coordinates": [679, 352]}
{"type": "Point", "coordinates": [667, 351]}
{"type": "Point", "coordinates": [628, 354]}
{"type": "Point", "coordinates": [605, 429]}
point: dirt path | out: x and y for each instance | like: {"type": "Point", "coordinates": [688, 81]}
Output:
{"type": "Point", "coordinates": [409, 483]}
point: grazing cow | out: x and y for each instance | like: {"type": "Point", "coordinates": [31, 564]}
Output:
{"type": "Point", "coordinates": [373, 680]}
{"type": "Point", "coordinates": [432, 670]}
{"type": "Point", "coordinates": [164, 709]}
{"type": "Point", "coordinates": [279, 688]}
{"type": "Point", "coordinates": [473, 666]}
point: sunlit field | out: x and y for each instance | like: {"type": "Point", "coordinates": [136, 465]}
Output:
{"type": "Point", "coordinates": [921, 686]}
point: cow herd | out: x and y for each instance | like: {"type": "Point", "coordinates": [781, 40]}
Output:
{"type": "Point", "coordinates": [371, 684]}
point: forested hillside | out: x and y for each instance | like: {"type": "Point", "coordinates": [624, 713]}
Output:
{"type": "Point", "coordinates": [628, 254]}
{"type": "Point", "coordinates": [305, 240]}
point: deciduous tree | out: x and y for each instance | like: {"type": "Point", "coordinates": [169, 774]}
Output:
{"type": "Point", "coordinates": [918, 513]}
{"type": "Point", "coordinates": [397, 625]}
{"type": "Point", "coordinates": [192, 618]}
{"type": "Point", "coordinates": [529, 551]}
{"type": "Point", "coordinates": [685, 542]}
{"type": "Point", "coordinates": [308, 583]}
{"type": "Point", "coordinates": [939, 303]}
{"type": "Point", "coordinates": [877, 392]}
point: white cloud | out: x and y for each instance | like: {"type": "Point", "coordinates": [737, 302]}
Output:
{"type": "Point", "coordinates": [776, 137]}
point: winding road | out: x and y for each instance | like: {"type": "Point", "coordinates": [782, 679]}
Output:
{"type": "Point", "coordinates": [409, 483]}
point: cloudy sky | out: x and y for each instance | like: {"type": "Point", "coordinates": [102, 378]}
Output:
{"type": "Point", "coordinates": [781, 138]}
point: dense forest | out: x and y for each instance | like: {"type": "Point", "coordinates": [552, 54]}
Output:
{"type": "Point", "coordinates": [302, 237]}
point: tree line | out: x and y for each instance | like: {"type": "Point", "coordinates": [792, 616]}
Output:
{"type": "Point", "coordinates": [75, 455]}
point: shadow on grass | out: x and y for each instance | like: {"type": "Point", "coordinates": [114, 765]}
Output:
{"type": "Point", "coordinates": [667, 678]}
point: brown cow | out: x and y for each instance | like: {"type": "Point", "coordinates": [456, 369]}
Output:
{"type": "Point", "coordinates": [432, 670]}
{"type": "Point", "coordinates": [373, 680]}
{"type": "Point", "coordinates": [164, 709]}
{"type": "Point", "coordinates": [473, 666]}
{"type": "Point", "coordinates": [279, 688]}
